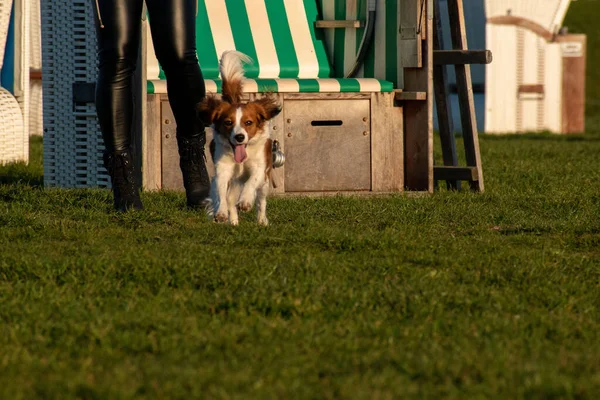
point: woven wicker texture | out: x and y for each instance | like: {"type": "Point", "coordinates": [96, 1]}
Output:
{"type": "Point", "coordinates": [36, 114]}
{"type": "Point", "coordinates": [36, 126]}
{"type": "Point", "coordinates": [22, 88]}
{"type": "Point", "coordinates": [12, 136]}
{"type": "Point", "coordinates": [72, 139]}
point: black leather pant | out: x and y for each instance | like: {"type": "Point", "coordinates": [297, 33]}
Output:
{"type": "Point", "coordinates": [172, 24]}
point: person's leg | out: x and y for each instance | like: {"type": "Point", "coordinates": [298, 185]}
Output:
{"type": "Point", "coordinates": [173, 27]}
{"type": "Point", "coordinates": [118, 42]}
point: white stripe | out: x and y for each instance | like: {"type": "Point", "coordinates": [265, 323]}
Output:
{"type": "Point", "coordinates": [288, 86]}
{"type": "Point", "coordinates": [329, 85]}
{"type": "Point", "coordinates": [328, 7]}
{"type": "Point", "coordinates": [553, 87]}
{"type": "Point", "coordinates": [160, 85]}
{"type": "Point", "coordinates": [220, 26]}
{"type": "Point", "coordinates": [211, 86]}
{"type": "Point", "coordinates": [350, 42]}
{"type": "Point", "coordinates": [305, 49]}
{"type": "Point", "coordinates": [369, 85]}
{"type": "Point", "coordinates": [380, 61]}
{"type": "Point", "coordinates": [250, 86]}
{"type": "Point", "coordinates": [265, 49]}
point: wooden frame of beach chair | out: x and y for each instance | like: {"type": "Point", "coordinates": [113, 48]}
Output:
{"type": "Point", "coordinates": [369, 134]}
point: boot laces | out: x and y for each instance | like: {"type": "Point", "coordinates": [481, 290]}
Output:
{"type": "Point", "coordinates": [194, 157]}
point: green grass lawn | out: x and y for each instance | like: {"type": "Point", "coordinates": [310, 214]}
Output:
{"type": "Point", "coordinates": [454, 295]}
{"type": "Point", "coordinates": [582, 18]}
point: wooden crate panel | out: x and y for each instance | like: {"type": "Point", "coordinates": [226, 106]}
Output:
{"type": "Point", "coordinates": [327, 145]}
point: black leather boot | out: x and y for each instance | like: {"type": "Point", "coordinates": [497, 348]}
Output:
{"type": "Point", "coordinates": [125, 188]}
{"type": "Point", "coordinates": [192, 161]}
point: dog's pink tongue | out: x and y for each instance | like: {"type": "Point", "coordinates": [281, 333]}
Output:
{"type": "Point", "coordinates": [239, 153]}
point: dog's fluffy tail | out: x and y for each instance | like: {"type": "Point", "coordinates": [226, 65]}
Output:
{"type": "Point", "coordinates": [232, 73]}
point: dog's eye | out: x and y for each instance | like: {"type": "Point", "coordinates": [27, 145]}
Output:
{"type": "Point", "coordinates": [227, 122]}
{"type": "Point", "coordinates": [248, 123]}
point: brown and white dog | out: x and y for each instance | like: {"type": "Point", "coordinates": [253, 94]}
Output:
{"type": "Point", "coordinates": [241, 148]}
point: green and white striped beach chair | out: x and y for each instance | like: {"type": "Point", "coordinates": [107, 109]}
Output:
{"type": "Point", "coordinates": [289, 55]}
{"type": "Point", "coordinates": [339, 134]}
{"type": "Point", "coordinates": [342, 44]}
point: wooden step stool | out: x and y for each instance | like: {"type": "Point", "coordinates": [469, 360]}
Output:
{"type": "Point", "coordinates": [460, 56]}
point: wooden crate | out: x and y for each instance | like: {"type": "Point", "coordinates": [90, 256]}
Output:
{"type": "Point", "coordinates": [333, 142]}
{"type": "Point", "coordinates": [384, 143]}
{"type": "Point", "coordinates": [327, 145]}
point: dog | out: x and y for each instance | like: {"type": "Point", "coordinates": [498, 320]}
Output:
{"type": "Point", "coordinates": [241, 148]}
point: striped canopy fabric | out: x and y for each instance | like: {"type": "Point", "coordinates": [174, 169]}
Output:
{"type": "Point", "coordinates": [342, 43]}
{"type": "Point", "coordinates": [288, 53]}
{"type": "Point", "coordinates": [290, 85]}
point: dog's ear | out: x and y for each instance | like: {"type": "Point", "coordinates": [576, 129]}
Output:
{"type": "Point", "coordinates": [208, 109]}
{"type": "Point", "coordinates": [267, 107]}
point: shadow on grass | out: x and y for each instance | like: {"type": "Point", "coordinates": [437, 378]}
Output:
{"type": "Point", "coordinates": [541, 136]}
{"type": "Point", "coordinates": [544, 136]}
{"type": "Point", "coordinates": [21, 173]}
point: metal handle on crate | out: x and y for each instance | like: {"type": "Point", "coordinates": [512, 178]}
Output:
{"type": "Point", "coordinates": [278, 155]}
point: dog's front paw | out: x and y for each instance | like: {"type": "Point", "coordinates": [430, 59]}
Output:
{"type": "Point", "coordinates": [244, 206]}
{"type": "Point", "coordinates": [221, 217]}
{"type": "Point", "coordinates": [262, 220]}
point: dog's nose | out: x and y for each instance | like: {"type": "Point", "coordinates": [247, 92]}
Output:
{"type": "Point", "coordinates": [239, 138]}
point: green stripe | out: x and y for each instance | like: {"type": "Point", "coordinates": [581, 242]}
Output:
{"type": "Point", "coordinates": [242, 34]}
{"type": "Point", "coordinates": [391, 48]}
{"type": "Point", "coordinates": [267, 85]}
{"type": "Point", "coordinates": [205, 44]}
{"type": "Point", "coordinates": [369, 61]}
{"type": "Point", "coordinates": [319, 43]}
{"type": "Point", "coordinates": [349, 85]}
{"type": "Point", "coordinates": [386, 86]}
{"type": "Point", "coordinates": [149, 87]}
{"type": "Point", "coordinates": [308, 85]}
{"type": "Point", "coordinates": [305, 85]}
{"type": "Point", "coordinates": [282, 36]}
{"type": "Point", "coordinates": [339, 39]}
